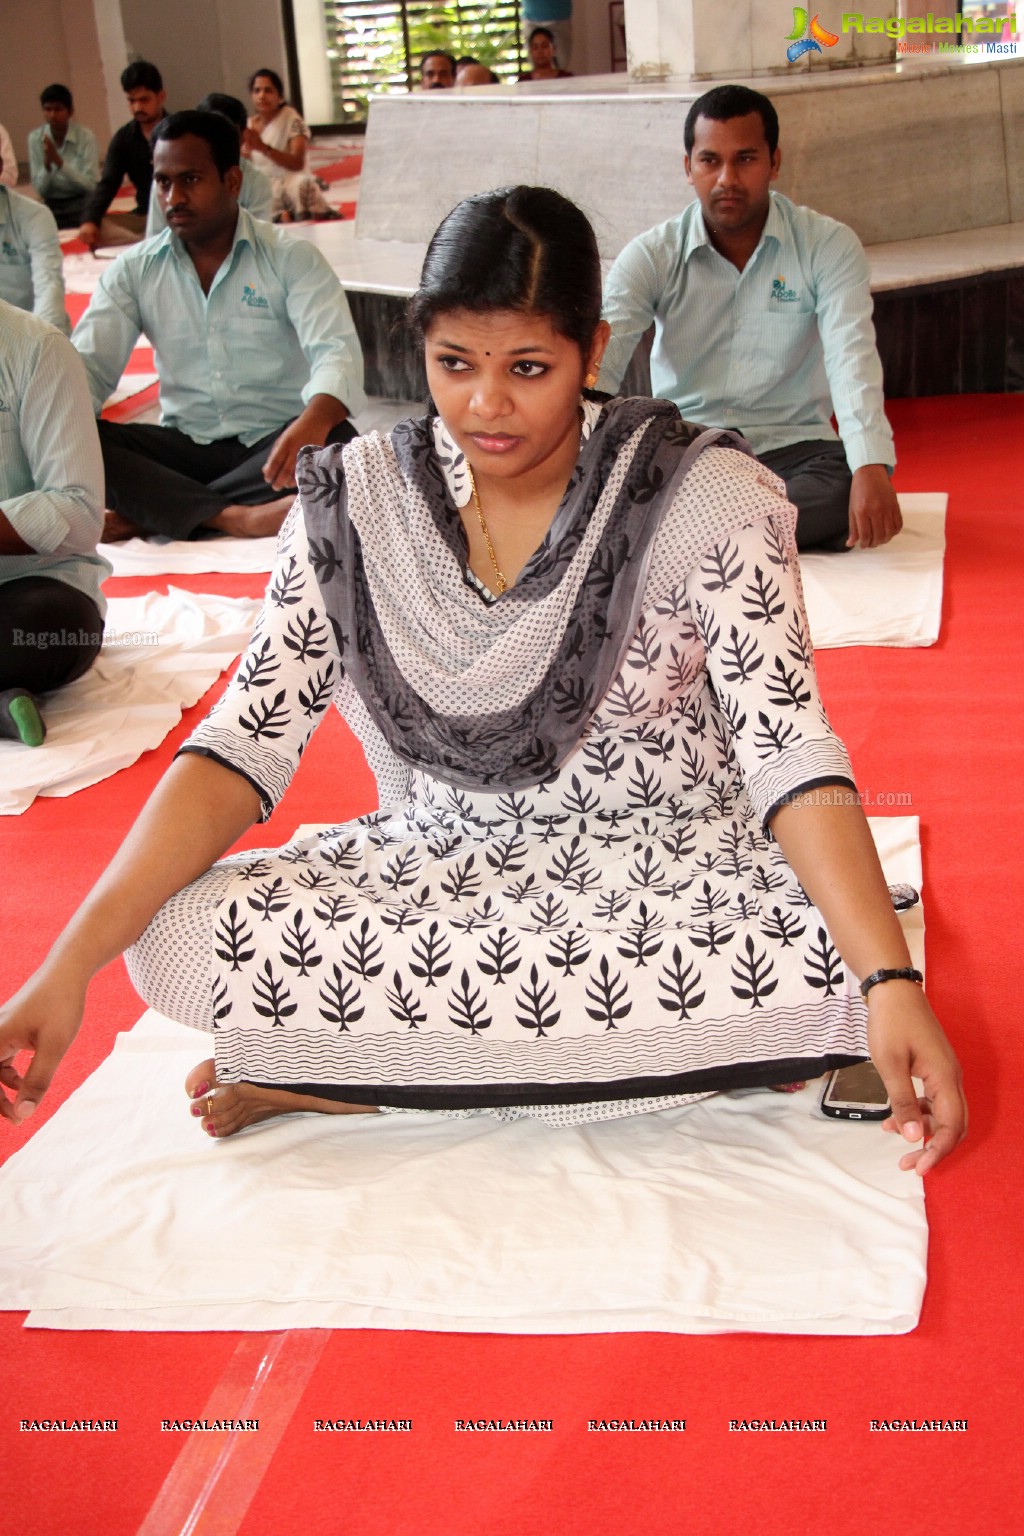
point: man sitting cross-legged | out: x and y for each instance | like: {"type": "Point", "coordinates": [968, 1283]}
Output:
{"type": "Point", "coordinates": [254, 347]}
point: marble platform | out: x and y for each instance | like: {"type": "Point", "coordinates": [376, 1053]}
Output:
{"type": "Point", "coordinates": [898, 152]}
{"type": "Point", "coordinates": [924, 159]}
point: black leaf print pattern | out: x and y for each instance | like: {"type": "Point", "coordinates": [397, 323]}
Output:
{"type": "Point", "coordinates": [430, 951]}
{"type": "Point", "coordinates": [798, 644]}
{"type": "Point", "coordinates": [784, 927]}
{"type": "Point", "coordinates": [286, 588]}
{"type": "Point", "coordinates": [271, 998]}
{"type": "Point", "coordinates": [323, 558]}
{"type": "Point", "coordinates": [609, 995]}
{"type": "Point", "coordinates": [603, 757]}
{"type": "Point", "coordinates": [342, 999]}
{"type": "Point", "coordinates": [361, 951]}
{"type": "Point", "coordinates": [403, 1003]}
{"type": "Point", "coordinates": [763, 599]}
{"type": "Point", "coordinates": [642, 941]}
{"type": "Point", "coordinates": [307, 636]}
{"type": "Point", "coordinates": [787, 688]}
{"type": "Point", "coordinates": [231, 933]}
{"type": "Point", "coordinates": [467, 1007]}
{"type": "Point", "coordinates": [681, 986]}
{"type": "Point", "coordinates": [499, 955]}
{"type": "Point", "coordinates": [754, 973]}
{"type": "Point", "coordinates": [824, 967]}
{"type": "Point", "coordinates": [740, 658]}
{"type": "Point", "coordinates": [536, 1004]}
{"type": "Point", "coordinates": [774, 738]}
{"type": "Point", "coordinates": [333, 910]}
{"type": "Point", "coordinates": [259, 666]}
{"type": "Point", "coordinates": [568, 951]}
{"type": "Point", "coordinates": [722, 567]}
{"type": "Point", "coordinates": [267, 720]}
{"type": "Point", "coordinates": [299, 950]}
{"type": "Point", "coordinates": [318, 691]}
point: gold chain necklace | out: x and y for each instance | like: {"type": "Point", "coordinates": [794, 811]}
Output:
{"type": "Point", "coordinates": [499, 580]}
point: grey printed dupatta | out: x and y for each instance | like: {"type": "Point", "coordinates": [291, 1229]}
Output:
{"type": "Point", "coordinates": [489, 695]}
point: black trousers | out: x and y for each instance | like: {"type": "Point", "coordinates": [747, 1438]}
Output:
{"type": "Point", "coordinates": [162, 481]}
{"type": "Point", "coordinates": [50, 633]}
{"type": "Point", "coordinates": [818, 481]}
{"type": "Point", "coordinates": [69, 212]}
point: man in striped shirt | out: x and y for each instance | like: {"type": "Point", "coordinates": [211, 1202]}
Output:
{"type": "Point", "coordinates": [762, 315]}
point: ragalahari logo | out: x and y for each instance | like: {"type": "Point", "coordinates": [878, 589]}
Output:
{"type": "Point", "coordinates": [807, 39]}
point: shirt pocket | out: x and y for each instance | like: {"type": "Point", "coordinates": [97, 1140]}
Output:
{"type": "Point", "coordinates": [772, 349]}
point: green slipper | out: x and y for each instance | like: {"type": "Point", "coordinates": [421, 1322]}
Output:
{"type": "Point", "coordinates": [20, 719]}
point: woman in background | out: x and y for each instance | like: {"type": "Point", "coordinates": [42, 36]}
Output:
{"type": "Point", "coordinates": [276, 141]}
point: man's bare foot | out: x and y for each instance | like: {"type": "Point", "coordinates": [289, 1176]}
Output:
{"type": "Point", "coordinates": [117, 528]}
{"type": "Point", "coordinates": [225, 1108]}
{"type": "Point", "coordinates": [260, 522]}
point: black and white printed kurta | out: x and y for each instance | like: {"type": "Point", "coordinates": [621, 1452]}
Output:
{"type": "Point", "coordinates": [624, 931]}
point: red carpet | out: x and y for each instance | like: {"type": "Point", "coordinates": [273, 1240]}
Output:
{"type": "Point", "coordinates": [943, 724]}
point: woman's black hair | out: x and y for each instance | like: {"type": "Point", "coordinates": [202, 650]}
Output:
{"type": "Point", "coordinates": [272, 75]}
{"type": "Point", "coordinates": [527, 249]}
{"type": "Point", "coordinates": [542, 32]}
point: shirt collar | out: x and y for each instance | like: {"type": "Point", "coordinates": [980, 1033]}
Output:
{"type": "Point", "coordinates": [243, 235]}
{"type": "Point", "coordinates": [697, 234]}
{"type": "Point", "coordinates": [5, 205]}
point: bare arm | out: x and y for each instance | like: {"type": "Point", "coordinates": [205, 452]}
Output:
{"type": "Point", "coordinates": [828, 844]}
{"type": "Point", "coordinates": [196, 812]}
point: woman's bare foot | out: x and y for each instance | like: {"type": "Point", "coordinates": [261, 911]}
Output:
{"type": "Point", "coordinates": [787, 1087]}
{"type": "Point", "coordinates": [225, 1108]}
{"type": "Point", "coordinates": [259, 522]}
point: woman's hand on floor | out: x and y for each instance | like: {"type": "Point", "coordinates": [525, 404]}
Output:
{"type": "Point", "coordinates": [906, 1040]}
{"type": "Point", "coordinates": [43, 1017]}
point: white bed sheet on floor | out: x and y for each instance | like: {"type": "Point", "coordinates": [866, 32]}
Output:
{"type": "Point", "coordinates": [887, 596]}
{"type": "Point", "coordinates": [160, 654]}
{"type": "Point", "coordinates": [746, 1212]}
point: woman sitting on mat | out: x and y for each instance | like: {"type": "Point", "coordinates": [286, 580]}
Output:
{"type": "Point", "coordinates": [619, 862]}
{"type": "Point", "coordinates": [275, 142]}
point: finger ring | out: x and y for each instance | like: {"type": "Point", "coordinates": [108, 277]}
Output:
{"type": "Point", "coordinates": [209, 1104]}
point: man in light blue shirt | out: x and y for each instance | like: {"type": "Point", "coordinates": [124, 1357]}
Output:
{"type": "Point", "coordinates": [762, 314]}
{"type": "Point", "coordinates": [253, 342]}
{"type": "Point", "coordinates": [62, 159]}
{"type": "Point", "coordinates": [31, 264]}
{"type": "Point", "coordinates": [256, 195]}
{"type": "Point", "coordinates": [51, 513]}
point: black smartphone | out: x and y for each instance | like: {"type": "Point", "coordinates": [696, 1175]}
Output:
{"type": "Point", "coordinates": [855, 1093]}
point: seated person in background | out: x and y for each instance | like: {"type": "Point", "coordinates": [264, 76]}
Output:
{"type": "Point", "coordinates": [257, 193]}
{"type": "Point", "coordinates": [31, 263]}
{"type": "Point", "coordinates": [62, 159]}
{"type": "Point", "coordinates": [542, 57]}
{"type": "Point", "coordinates": [51, 512]}
{"type": "Point", "coordinates": [437, 71]}
{"type": "Point", "coordinates": [253, 342]}
{"type": "Point", "coordinates": [469, 71]}
{"type": "Point", "coordinates": [762, 314]}
{"type": "Point", "coordinates": [555, 16]}
{"type": "Point", "coordinates": [129, 154]}
{"type": "Point", "coordinates": [9, 168]}
{"type": "Point", "coordinates": [276, 140]}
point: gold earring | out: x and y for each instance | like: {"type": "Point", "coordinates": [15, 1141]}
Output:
{"type": "Point", "coordinates": [590, 380]}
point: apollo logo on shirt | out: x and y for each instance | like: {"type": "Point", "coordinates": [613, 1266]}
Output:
{"type": "Point", "coordinates": [781, 294]}
{"type": "Point", "coordinates": [253, 299]}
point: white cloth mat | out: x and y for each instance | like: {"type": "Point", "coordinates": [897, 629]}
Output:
{"type": "Point", "coordinates": [131, 384]}
{"type": "Point", "coordinates": [743, 1212]}
{"type": "Point", "coordinates": [176, 557]}
{"type": "Point", "coordinates": [160, 654]}
{"type": "Point", "coordinates": [887, 596]}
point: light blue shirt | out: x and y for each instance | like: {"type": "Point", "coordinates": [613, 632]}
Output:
{"type": "Point", "coordinates": [771, 350]}
{"type": "Point", "coordinates": [31, 264]}
{"type": "Point", "coordinates": [256, 197]}
{"type": "Point", "coordinates": [81, 168]}
{"type": "Point", "coordinates": [51, 468]}
{"type": "Point", "coordinates": [241, 361]}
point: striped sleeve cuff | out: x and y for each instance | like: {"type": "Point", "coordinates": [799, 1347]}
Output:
{"type": "Point", "coordinates": [800, 767]}
{"type": "Point", "coordinates": [267, 772]}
